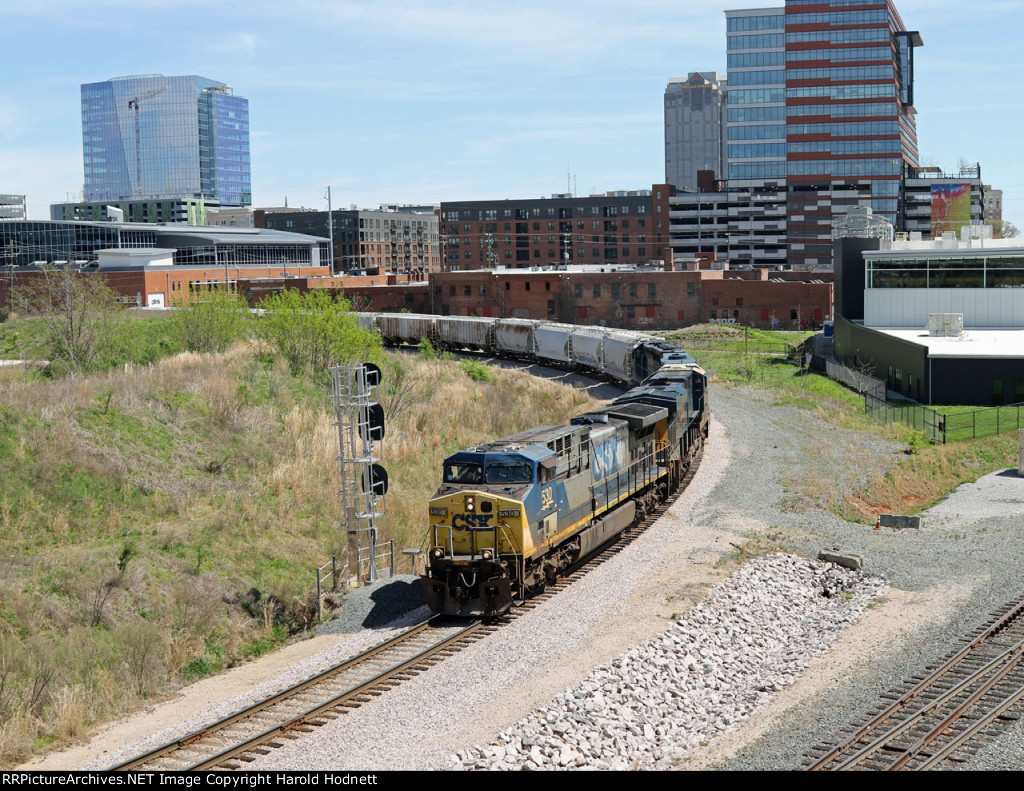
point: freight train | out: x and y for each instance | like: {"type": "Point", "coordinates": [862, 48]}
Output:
{"type": "Point", "coordinates": [620, 355]}
{"type": "Point", "coordinates": [513, 514]}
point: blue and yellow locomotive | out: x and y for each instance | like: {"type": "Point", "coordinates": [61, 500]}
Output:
{"type": "Point", "coordinates": [513, 514]}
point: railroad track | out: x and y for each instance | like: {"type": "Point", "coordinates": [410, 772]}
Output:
{"type": "Point", "coordinates": [240, 738]}
{"type": "Point", "coordinates": [941, 718]}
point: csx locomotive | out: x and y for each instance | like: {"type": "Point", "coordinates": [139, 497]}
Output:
{"type": "Point", "coordinates": [512, 514]}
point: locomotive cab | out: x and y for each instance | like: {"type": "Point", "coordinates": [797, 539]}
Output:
{"type": "Point", "coordinates": [480, 530]}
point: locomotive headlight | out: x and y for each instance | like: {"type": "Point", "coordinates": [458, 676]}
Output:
{"type": "Point", "coordinates": [487, 554]}
{"type": "Point", "coordinates": [437, 552]}
{"type": "Point", "coordinates": [470, 504]}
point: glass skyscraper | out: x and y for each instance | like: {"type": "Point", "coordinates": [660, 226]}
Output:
{"type": "Point", "coordinates": [820, 110]}
{"type": "Point", "coordinates": [850, 122]}
{"type": "Point", "coordinates": [154, 137]}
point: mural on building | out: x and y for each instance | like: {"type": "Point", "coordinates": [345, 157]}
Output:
{"type": "Point", "coordinates": [951, 208]}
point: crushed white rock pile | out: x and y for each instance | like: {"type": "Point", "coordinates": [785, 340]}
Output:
{"type": "Point", "coordinates": [752, 636]}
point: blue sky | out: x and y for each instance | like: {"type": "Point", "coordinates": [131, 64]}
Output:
{"type": "Point", "coordinates": [412, 101]}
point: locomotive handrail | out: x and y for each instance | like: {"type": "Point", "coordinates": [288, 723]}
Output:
{"type": "Point", "coordinates": [632, 475]}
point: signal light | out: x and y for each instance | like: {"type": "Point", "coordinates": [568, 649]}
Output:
{"type": "Point", "coordinates": [375, 480]}
{"type": "Point", "coordinates": [371, 422]}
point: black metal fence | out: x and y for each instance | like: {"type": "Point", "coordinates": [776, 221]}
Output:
{"type": "Point", "coordinates": [937, 426]}
{"type": "Point", "coordinates": [918, 417]}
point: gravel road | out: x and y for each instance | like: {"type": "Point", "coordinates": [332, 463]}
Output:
{"type": "Point", "coordinates": [943, 580]}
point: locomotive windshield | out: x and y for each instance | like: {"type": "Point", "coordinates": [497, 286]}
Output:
{"type": "Point", "coordinates": [519, 473]}
{"type": "Point", "coordinates": [463, 473]}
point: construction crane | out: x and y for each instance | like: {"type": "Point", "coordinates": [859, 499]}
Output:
{"type": "Point", "coordinates": [133, 104]}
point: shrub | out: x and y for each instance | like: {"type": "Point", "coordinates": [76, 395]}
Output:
{"type": "Point", "coordinates": [209, 322]}
{"type": "Point", "coordinates": [315, 329]}
{"type": "Point", "coordinates": [477, 371]}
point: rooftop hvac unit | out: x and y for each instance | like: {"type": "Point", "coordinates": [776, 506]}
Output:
{"type": "Point", "coordinates": [945, 324]}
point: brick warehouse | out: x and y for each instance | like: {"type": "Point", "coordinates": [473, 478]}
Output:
{"type": "Point", "coordinates": [622, 227]}
{"type": "Point", "coordinates": [634, 299]}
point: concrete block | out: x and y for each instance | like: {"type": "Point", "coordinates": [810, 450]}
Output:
{"type": "Point", "coordinates": [855, 562]}
{"type": "Point", "coordinates": [900, 522]}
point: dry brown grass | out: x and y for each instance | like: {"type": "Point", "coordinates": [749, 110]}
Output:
{"type": "Point", "coordinates": [927, 475]}
{"type": "Point", "coordinates": [140, 506]}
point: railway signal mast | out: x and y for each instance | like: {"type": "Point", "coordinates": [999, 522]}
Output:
{"type": "Point", "coordinates": [364, 482]}
{"type": "Point", "coordinates": [133, 104]}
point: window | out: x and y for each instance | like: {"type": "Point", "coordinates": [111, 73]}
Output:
{"type": "Point", "coordinates": [527, 285]}
{"type": "Point", "coordinates": [483, 291]}
{"type": "Point", "coordinates": [578, 290]}
{"type": "Point", "coordinates": [632, 289]}
{"type": "Point", "coordinates": [451, 291]}
{"type": "Point", "coordinates": [997, 392]}
{"type": "Point", "coordinates": [467, 291]}
{"type": "Point", "coordinates": [551, 306]}
{"type": "Point", "coordinates": [463, 473]}
{"type": "Point", "coordinates": [739, 300]}
{"type": "Point", "coordinates": [547, 285]}
{"type": "Point", "coordinates": [691, 289]}
{"type": "Point", "coordinates": [597, 289]}
{"type": "Point", "coordinates": [650, 290]}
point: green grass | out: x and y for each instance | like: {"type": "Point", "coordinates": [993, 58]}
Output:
{"type": "Point", "coordinates": [969, 422]}
{"type": "Point", "coordinates": [735, 338]}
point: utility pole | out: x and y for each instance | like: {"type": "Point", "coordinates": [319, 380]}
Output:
{"type": "Point", "coordinates": [492, 256]}
{"type": "Point", "coordinates": [330, 227]}
{"type": "Point", "coordinates": [12, 251]}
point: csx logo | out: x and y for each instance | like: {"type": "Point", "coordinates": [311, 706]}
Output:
{"type": "Point", "coordinates": [460, 521]}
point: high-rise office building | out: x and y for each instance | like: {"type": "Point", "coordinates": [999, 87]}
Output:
{"type": "Point", "coordinates": [694, 128]}
{"type": "Point", "coordinates": [819, 118]}
{"type": "Point", "coordinates": [151, 137]}
{"type": "Point", "coordinates": [756, 132]}
{"type": "Point", "coordinates": [850, 121]}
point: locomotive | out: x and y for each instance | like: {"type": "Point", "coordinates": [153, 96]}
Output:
{"type": "Point", "coordinates": [511, 515]}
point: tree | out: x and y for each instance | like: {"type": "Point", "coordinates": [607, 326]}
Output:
{"type": "Point", "coordinates": [210, 321]}
{"type": "Point", "coordinates": [315, 329]}
{"type": "Point", "coordinates": [1003, 229]}
{"type": "Point", "coordinates": [84, 324]}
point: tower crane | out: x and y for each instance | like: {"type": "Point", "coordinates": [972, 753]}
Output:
{"type": "Point", "coordinates": [133, 104]}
